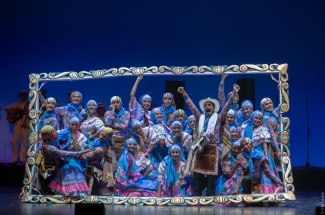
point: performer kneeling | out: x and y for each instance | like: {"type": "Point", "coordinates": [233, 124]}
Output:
{"type": "Point", "coordinates": [69, 179]}
{"type": "Point", "coordinates": [261, 175]}
{"type": "Point", "coordinates": [132, 171]}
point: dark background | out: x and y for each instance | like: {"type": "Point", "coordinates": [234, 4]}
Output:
{"type": "Point", "coordinates": [57, 36]}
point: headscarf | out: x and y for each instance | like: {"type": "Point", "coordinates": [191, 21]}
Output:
{"type": "Point", "coordinates": [170, 109]}
{"type": "Point", "coordinates": [46, 130]}
{"type": "Point", "coordinates": [145, 97]}
{"type": "Point", "coordinates": [232, 128]}
{"type": "Point", "coordinates": [255, 154]}
{"type": "Point", "coordinates": [71, 107]}
{"type": "Point", "coordinates": [236, 106]}
{"type": "Point", "coordinates": [65, 134]}
{"type": "Point", "coordinates": [190, 130]}
{"type": "Point", "coordinates": [152, 116]}
{"type": "Point", "coordinates": [116, 98]}
{"type": "Point", "coordinates": [231, 112]}
{"type": "Point", "coordinates": [85, 114]}
{"type": "Point", "coordinates": [120, 113]}
{"type": "Point", "coordinates": [133, 124]}
{"type": "Point", "coordinates": [123, 162]}
{"type": "Point", "coordinates": [171, 172]}
{"type": "Point", "coordinates": [247, 103]}
{"type": "Point", "coordinates": [250, 124]}
{"type": "Point", "coordinates": [267, 113]}
{"type": "Point", "coordinates": [106, 130]}
{"type": "Point", "coordinates": [48, 114]}
{"type": "Point", "coordinates": [172, 135]}
{"type": "Point", "coordinates": [181, 112]}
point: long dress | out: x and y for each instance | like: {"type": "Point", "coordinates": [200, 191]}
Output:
{"type": "Point", "coordinates": [180, 188]}
{"type": "Point", "coordinates": [260, 173]}
{"type": "Point", "coordinates": [226, 186]}
{"type": "Point", "coordinates": [131, 182]}
{"type": "Point", "coordinates": [70, 179]}
{"type": "Point", "coordinates": [261, 135]}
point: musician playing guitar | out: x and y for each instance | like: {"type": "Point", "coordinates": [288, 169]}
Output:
{"type": "Point", "coordinates": [17, 113]}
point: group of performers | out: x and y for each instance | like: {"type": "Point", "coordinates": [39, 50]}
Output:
{"type": "Point", "coordinates": [138, 152]}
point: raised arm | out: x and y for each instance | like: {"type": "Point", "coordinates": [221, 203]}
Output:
{"type": "Point", "coordinates": [134, 90]}
{"type": "Point", "coordinates": [196, 113]}
{"type": "Point", "coordinates": [62, 153]}
{"type": "Point", "coordinates": [221, 91]}
{"type": "Point", "coordinates": [229, 103]}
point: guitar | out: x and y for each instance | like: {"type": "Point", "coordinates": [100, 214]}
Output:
{"type": "Point", "coordinates": [14, 114]}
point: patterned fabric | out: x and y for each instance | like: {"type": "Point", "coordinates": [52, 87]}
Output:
{"type": "Point", "coordinates": [49, 118]}
{"type": "Point", "coordinates": [172, 180]}
{"type": "Point", "coordinates": [119, 124]}
{"type": "Point", "coordinates": [138, 113]}
{"type": "Point", "coordinates": [185, 143]}
{"type": "Point", "coordinates": [67, 112]}
{"type": "Point", "coordinates": [89, 126]}
{"type": "Point", "coordinates": [272, 123]}
{"type": "Point", "coordinates": [260, 171]}
{"type": "Point", "coordinates": [169, 110]}
{"type": "Point", "coordinates": [69, 179]}
{"type": "Point", "coordinates": [130, 181]}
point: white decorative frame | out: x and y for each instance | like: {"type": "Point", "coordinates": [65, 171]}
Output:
{"type": "Point", "coordinates": [281, 69]}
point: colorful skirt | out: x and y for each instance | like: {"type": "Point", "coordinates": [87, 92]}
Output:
{"type": "Point", "coordinates": [70, 179]}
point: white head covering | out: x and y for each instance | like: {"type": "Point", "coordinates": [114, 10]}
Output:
{"type": "Point", "coordinates": [75, 92]}
{"type": "Point", "coordinates": [263, 101]}
{"type": "Point", "coordinates": [50, 99]}
{"type": "Point", "coordinates": [116, 98]}
{"type": "Point", "coordinates": [231, 112]}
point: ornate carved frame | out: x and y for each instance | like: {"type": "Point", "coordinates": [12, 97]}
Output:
{"type": "Point", "coordinates": [281, 69]}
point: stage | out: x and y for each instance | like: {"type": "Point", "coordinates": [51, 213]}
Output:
{"type": "Point", "coordinates": [306, 202]}
{"type": "Point", "coordinates": [309, 185]}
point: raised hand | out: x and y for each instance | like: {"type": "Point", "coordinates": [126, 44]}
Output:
{"type": "Point", "coordinates": [181, 90]}
{"type": "Point", "coordinates": [224, 76]}
{"type": "Point", "coordinates": [111, 107]}
{"type": "Point", "coordinates": [140, 77]}
{"type": "Point", "coordinates": [236, 88]}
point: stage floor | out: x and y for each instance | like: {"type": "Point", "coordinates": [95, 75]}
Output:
{"type": "Point", "coordinates": [306, 202]}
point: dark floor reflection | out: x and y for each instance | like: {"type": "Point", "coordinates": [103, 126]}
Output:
{"type": "Point", "coordinates": [305, 204]}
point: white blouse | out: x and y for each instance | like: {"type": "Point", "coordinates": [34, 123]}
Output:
{"type": "Point", "coordinates": [91, 125]}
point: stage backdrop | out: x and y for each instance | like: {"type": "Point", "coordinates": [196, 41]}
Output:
{"type": "Point", "coordinates": [71, 36]}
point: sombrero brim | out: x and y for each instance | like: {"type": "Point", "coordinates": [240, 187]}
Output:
{"type": "Point", "coordinates": [214, 101]}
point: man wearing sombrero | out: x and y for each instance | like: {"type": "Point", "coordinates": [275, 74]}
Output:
{"type": "Point", "coordinates": [205, 161]}
{"type": "Point", "coordinates": [17, 113]}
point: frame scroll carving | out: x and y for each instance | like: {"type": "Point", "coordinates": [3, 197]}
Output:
{"type": "Point", "coordinates": [281, 69]}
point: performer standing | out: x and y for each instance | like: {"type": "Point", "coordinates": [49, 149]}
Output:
{"type": "Point", "coordinates": [140, 111]}
{"type": "Point", "coordinates": [49, 117]}
{"type": "Point", "coordinates": [168, 106]}
{"type": "Point", "coordinates": [74, 108]}
{"type": "Point", "coordinates": [206, 160]}
{"type": "Point", "coordinates": [271, 119]}
{"type": "Point", "coordinates": [91, 126]}
{"type": "Point", "coordinates": [17, 113]}
{"type": "Point", "coordinates": [118, 119]}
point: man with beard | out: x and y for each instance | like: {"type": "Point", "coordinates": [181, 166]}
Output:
{"type": "Point", "coordinates": [205, 161]}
